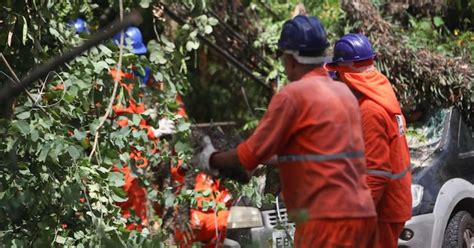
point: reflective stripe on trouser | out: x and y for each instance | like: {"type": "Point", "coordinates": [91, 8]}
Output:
{"type": "Point", "coordinates": [320, 157]}
{"type": "Point", "coordinates": [390, 174]}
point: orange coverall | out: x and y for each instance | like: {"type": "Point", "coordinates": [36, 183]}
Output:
{"type": "Point", "coordinates": [386, 149]}
{"type": "Point", "coordinates": [137, 195]}
{"type": "Point", "coordinates": [207, 226]}
{"type": "Point", "coordinates": [204, 223]}
{"type": "Point", "coordinates": [314, 127]}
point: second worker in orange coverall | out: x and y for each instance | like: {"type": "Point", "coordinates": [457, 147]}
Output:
{"type": "Point", "coordinates": [383, 126]}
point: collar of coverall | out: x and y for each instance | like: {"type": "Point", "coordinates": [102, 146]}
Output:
{"type": "Point", "coordinates": [371, 83]}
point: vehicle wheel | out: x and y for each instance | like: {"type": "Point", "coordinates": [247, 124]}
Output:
{"type": "Point", "coordinates": [460, 231]}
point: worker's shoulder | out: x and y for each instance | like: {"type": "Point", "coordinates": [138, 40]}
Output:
{"type": "Point", "coordinates": [307, 83]}
{"type": "Point", "coordinates": [369, 107]}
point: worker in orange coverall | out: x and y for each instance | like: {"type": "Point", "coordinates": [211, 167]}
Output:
{"type": "Point", "coordinates": [137, 195]}
{"type": "Point", "coordinates": [313, 125]}
{"type": "Point", "coordinates": [208, 225]}
{"type": "Point", "coordinates": [383, 125]}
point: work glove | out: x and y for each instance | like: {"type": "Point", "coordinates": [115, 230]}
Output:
{"type": "Point", "coordinates": [202, 159]}
{"type": "Point", "coordinates": [165, 127]}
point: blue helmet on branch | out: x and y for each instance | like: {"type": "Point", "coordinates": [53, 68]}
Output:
{"type": "Point", "coordinates": [352, 48]}
{"type": "Point", "coordinates": [80, 25]}
{"type": "Point", "coordinates": [133, 34]}
{"type": "Point", "coordinates": [304, 34]}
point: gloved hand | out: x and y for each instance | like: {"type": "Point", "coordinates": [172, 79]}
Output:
{"type": "Point", "coordinates": [202, 159]}
{"type": "Point", "coordinates": [165, 127]}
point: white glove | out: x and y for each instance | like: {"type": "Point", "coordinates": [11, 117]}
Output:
{"type": "Point", "coordinates": [165, 127]}
{"type": "Point", "coordinates": [201, 160]}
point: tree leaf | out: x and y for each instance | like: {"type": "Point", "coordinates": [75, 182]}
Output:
{"type": "Point", "coordinates": [206, 193]}
{"type": "Point", "coordinates": [213, 21]}
{"type": "Point", "coordinates": [110, 61]}
{"type": "Point", "coordinates": [44, 152]}
{"type": "Point", "coordinates": [181, 146]}
{"type": "Point", "coordinates": [117, 198]}
{"type": "Point", "coordinates": [438, 21]}
{"type": "Point", "coordinates": [99, 66]}
{"type": "Point", "coordinates": [221, 206]}
{"type": "Point", "coordinates": [116, 179]}
{"type": "Point", "coordinates": [158, 56]}
{"type": "Point", "coordinates": [23, 127]}
{"type": "Point", "coordinates": [24, 115]}
{"type": "Point", "coordinates": [60, 240]}
{"type": "Point", "coordinates": [105, 50]}
{"type": "Point", "coordinates": [136, 119]}
{"type": "Point", "coordinates": [192, 45]}
{"type": "Point", "coordinates": [169, 201]}
{"type": "Point", "coordinates": [34, 135]}
{"type": "Point", "coordinates": [73, 152]}
{"type": "Point", "coordinates": [208, 29]}
{"type": "Point", "coordinates": [79, 135]}
{"type": "Point", "coordinates": [184, 126]}
{"type": "Point", "coordinates": [54, 32]}
{"type": "Point", "coordinates": [25, 31]}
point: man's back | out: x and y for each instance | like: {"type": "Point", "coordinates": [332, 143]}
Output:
{"type": "Point", "coordinates": [313, 125]}
{"type": "Point", "coordinates": [330, 182]}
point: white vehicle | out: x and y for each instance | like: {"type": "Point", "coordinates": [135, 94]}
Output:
{"type": "Point", "coordinates": [265, 227]}
{"type": "Point", "coordinates": [442, 187]}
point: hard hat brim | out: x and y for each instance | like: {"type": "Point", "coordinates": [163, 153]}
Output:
{"type": "Point", "coordinates": [141, 49]}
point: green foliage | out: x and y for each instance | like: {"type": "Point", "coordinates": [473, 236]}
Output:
{"type": "Point", "coordinates": [51, 193]}
{"type": "Point", "coordinates": [432, 33]}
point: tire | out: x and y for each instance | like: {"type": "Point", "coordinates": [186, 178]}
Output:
{"type": "Point", "coordinates": [460, 231]}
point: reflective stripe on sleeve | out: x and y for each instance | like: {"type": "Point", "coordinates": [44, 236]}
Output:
{"type": "Point", "coordinates": [320, 157]}
{"type": "Point", "coordinates": [389, 174]}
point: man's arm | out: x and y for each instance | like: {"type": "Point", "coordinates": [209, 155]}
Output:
{"type": "Point", "coordinates": [271, 134]}
{"type": "Point", "coordinates": [228, 165]}
{"type": "Point", "coordinates": [377, 151]}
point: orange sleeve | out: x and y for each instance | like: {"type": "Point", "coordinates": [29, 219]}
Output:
{"type": "Point", "coordinates": [181, 108]}
{"type": "Point", "coordinates": [377, 149]}
{"type": "Point", "coordinates": [272, 133]}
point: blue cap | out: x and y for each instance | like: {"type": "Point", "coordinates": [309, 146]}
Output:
{"type": "Point", "coordinates": [134, 34]}
{"type": "Point", "coordinates": [303, 34]}
{"type": "Point", "coordinates": [351, 48]}
{"type": "Point", "coordinates": [80, 25]}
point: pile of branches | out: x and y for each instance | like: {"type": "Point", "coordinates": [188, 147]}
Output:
{"type": "Point", "coordinates": [422, 79]}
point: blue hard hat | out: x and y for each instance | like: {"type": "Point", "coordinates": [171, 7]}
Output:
{"type": "Point", "coordinates": [134, 34]}
{"type": "Point", "coordinates": [143, 77]}
{"type": "Point", "coordinates": [303, 34]}
{"type": "Point", "coordinates": [351, 48]}
{"type": "Point", "coordinates": [80, 25]}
